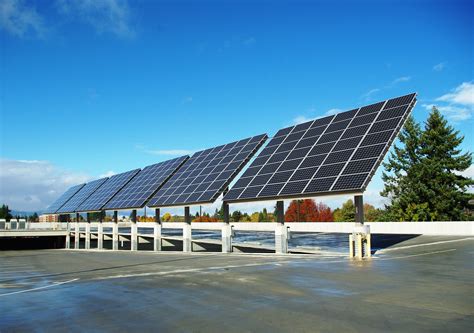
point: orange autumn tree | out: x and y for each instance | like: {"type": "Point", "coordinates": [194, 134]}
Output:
{"type": "Point", "coordinates": [308, 210]}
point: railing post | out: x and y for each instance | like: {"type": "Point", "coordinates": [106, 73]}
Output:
{"type": "Point", "coordinates": [226, 232]}
{"type": "Point", "coordinates": [100, 232]}
{"type": "Point", "coordinates": [115, 238]}
{"type": "Point", "coordinates": [187, 232]}
{"type": "Point", "coordinates": [157, 231]}
{"type": "Point", "coordinates": [77, 233]}
{"type": "Point", "coordinates": [68, 236]}
{"type": "Point", "coordinates": [281, 230]}
{"type": "Point", "coordinates": [88, 232]}
{"type": "Point", "coordinates": [134, 231]}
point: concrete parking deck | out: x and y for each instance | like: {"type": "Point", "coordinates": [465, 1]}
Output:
{"type": "Point", "coordinates": [424, 284]}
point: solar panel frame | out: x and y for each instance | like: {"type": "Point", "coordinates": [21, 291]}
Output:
{"type": "Point", "coordinates": [81, 196]}
{"type": "Point", "coordinates": [376, 112]}
{"type": "Point", "coordinates": [99, 198]}
{"type": "Point", "coordinates": [63, 199]}
{"type": "Point", "coordinates": [233, 156]}
{"type": "Point", "coordinates": [136, 193]}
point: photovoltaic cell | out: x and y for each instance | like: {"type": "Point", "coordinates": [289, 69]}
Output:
{"type": "Point", "coordinates": [53, 208]}
{"type": "Point", "coordinates": [338, 153]}
{"type": "Point", "coordinates": [103, 194]}
{"type": "Point", "coordinates": [207, 173]}
{"type": "Point", "coordinates": [81, 196]}
{"type": "Point", "coordinates": [145, 184]}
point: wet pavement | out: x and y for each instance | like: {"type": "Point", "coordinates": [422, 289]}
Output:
{"type": "Point", "coordinates": [423, 284]}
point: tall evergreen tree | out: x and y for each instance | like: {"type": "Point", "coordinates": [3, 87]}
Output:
{"type": "Point", "coordinates": [443, 161]}
{"type": "Point", "coordinates": [422, 177]}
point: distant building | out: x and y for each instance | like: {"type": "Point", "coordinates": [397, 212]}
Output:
{"type": "Point", "coordinates": [49, 218]}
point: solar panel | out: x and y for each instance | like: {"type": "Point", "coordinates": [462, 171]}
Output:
{"type": "Point", "coordinates": [63, 199]}
{"type": "Point", "coordinates": [104, 193]}
{"type": "Point", "coordinates": [81, 196]}
{"type": "Point", "coordinates": [207, 174]}
{"type": "Point", "coordinates": [139, 190]}
{"type": "Point", "coordinates": [334, 154]}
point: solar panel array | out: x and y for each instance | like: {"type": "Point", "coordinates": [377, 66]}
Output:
{"type": "Point", "coordinates": [207, 174]}
{"type": "Point", "coordinates": [104, 193]}
{"type": "Point", "coordinates": [338, 153]}
{"type": "Point", "coordinates": [137, 192]}
{"type": "Point", "coordinates": [81, 196]}
{"type": "Point", "coordinates": [53, 208]}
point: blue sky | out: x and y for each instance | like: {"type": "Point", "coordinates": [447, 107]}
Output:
{"type": "Point", "coordinates": [99, 87]}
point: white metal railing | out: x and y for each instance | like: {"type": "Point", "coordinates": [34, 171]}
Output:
{"type": "Point", "coordinates": [442, 228]}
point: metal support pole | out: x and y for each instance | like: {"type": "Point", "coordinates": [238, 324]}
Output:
{"type": "Point", "coordinates": [280, 208]}
{"type": "Point", "coordinates": [187, 233]}
{"type": "Point", "coordinates": [115, 239]}
{"type": "Point", "coordinates": [281, 230]}
{"type": "Point", "coordinates": [226, 232]}
{"type": "Point", "coordinates": [134, 231]}
{"type": "Point", "coordinates": [157, 231]}
{"type": "Point", "coordinates": [359, 207]}
{"type": "Point", "coordinates": [100, 232]}
{"type": "Point", "coordinates": [88, 232]}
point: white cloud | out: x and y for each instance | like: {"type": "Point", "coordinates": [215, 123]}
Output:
{"type": "Point", "coordinates": [111, 16]}
{"type": "Point", "coordinates": [453, 113]}
{"type": "Point", "coordinates": [439, 67]}
{"type": "Point", "coordinates": [249, 41]}
{"type": "Point", "coordinates": [109, 173]}
{"type": "Point", "coordinates": [187, 100]}
{"type": "Point", "coordinates": [166, 152]}
{"type": "Point", "coordinates": [458, 104]}
{"type": "Point", "coordinates": [300, 119]}
{"type": "Point", "coordinates": [469, 172]}
{"type": "Point", "coordinates": [400, 79]}
{"type": "Point", "coordinates": [462, 94]}
{"type": "Point", "coordinates": [33, 185]}
{"type": "Point", "coordinates": [331, 112]}
{"type": "Point", "coordinates": [19, 19]}
{"type": "Point", "coordinates": [368, 95]}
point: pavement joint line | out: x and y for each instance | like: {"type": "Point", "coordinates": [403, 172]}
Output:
{"type": "Point", "coordinates": [38, 288]}
{"type": "Point", "coordinates": [425, 244]}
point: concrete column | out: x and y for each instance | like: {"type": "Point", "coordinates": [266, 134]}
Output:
{"type": "Point", "coordinates": [226, 232]}
{"type": "Point", "coordinates": [187, 232]}
{"type": "Point", "coordinates": [157, 231]}
{"type": "Point", "coordinates": [351, 246]}
{"type": "Point", "coordinates": [115, 237]}
{"type": "Point", "coordinates": [68, 236]}
{"type": "Point", "coordinates": [358, 243]}
{"type": "Point", "coordinates": [88, 232]}
{"type": "Point", "coordinates": [100, 233]}
{"type": "Point", "coordinates": [134, 231]}
{"type": "Point", "coordinates": [77, 235]}
{"type": "Point", "coordinates": [281, 238]}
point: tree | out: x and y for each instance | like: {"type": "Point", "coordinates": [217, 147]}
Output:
{"type": "Point", "coordinates": [308, 211]}
{"type": "Point", "coordinates": [422, 176]}
{"type": "Point", "coordinates": [346, 213]}
{"type": "Point", "coordinates": [166, 217]}
{"type": "Point", "coordinates": [443, 162]}
{"type": "Point", "coordinates": [5, 212]}
{"type": "Point", "coordinates": [236, 216]}
{"type": "Point", "coordinates": [255, 217]}
{"type": "Point", "coordinates": [33, 218]}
